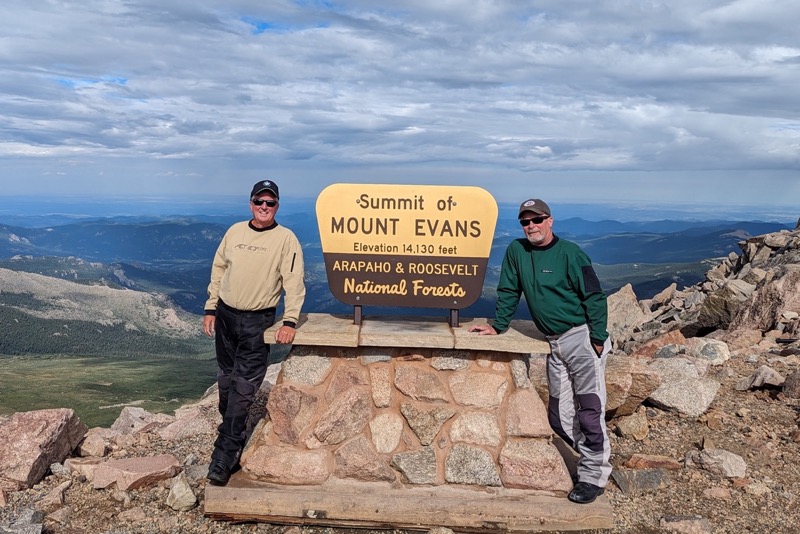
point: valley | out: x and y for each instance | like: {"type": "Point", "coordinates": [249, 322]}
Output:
{"type": "Point", "coordinates": [98, 387]}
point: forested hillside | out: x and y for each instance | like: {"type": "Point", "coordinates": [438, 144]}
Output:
{"type": "Point", "coordinates": [44, 315]}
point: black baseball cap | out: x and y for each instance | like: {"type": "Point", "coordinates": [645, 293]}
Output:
{"type": "Point", "coordinates": [535, 205]}
{"type": "Point", "coordinates": [265, 185]}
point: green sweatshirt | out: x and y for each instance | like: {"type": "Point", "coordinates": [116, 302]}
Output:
{"type": "Point", "coordinates": [560, 287]}
{"type": "Point", "coordinates": [251, 268]}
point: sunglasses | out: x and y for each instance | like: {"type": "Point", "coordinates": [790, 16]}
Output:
{"type": "Point", "coordinates": [270, 203]}
{"type": "Point", "coordinates": [535, 220]}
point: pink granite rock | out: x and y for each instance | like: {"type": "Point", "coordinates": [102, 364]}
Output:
{"type": "Point", "coordinates": [134, 473]}
{"type": "Point", "coordinates": [31, 441]}
{"type": "Point", "coordinates": [534, 464]}
{"type": "Point", "coordinates": [527, 416]}
{"type": "Point", "coordinates": [287, 465]}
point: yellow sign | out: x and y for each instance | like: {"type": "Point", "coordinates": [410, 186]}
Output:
{"type": "Point", "coordinates": [406, 245]}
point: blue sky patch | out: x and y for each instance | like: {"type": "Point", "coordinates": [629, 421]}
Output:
{"type": "Point", "coordinates": [75, 83]}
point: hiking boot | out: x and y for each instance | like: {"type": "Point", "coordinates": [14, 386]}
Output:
{"type": "Point", "coordinates": [584, 493]}
{"type": "Point", "coordinates": [218, 473]}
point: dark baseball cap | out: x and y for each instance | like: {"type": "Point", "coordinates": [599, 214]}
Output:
{"type": "Point", "coordinates": [536, 205]}
{"type": "Point", "coordinates": [265, 185]}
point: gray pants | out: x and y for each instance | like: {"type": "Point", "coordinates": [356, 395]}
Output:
{"type": "Point", "coordinates": [577, 406]}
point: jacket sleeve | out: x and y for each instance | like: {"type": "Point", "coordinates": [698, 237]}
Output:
{"type": "Point", "coordinates": [293, 281]}
{"type": "Point", "coordinates": [218, 267]}
{"type": "Point", "coordinates": [593, 298]}
{"type": "Point", "coordinates": [509, 290]}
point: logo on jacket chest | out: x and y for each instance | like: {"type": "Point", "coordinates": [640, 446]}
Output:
{"type": "Point", "coordinates": [250, 248]}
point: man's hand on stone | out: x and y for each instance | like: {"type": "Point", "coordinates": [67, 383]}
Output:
{"type": "Point", "coordinates": [285, 334]}
{"type": "Point", "coordinates": [483, 329]}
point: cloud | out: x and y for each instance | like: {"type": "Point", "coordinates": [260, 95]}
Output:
{"type": "Point", "coordinates": [321, 90]}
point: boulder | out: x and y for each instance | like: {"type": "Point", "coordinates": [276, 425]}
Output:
{"type": "Point", "coordinates": [31, 441]}
{"type": "Point", "coordinates": [624, 314]}
{"type": "Point", "coordinates": [134, 473]}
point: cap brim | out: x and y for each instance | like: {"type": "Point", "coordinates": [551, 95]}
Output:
{"type": "Point", "coordinates": [537, 212]}
{"type": "Point", "coordinates": [266, 189]}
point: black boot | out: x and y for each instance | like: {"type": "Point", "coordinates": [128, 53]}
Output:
{"type": "Point", "coordinates": [218, 472]}
{"type": "Point", "coordinates": [584, 493]}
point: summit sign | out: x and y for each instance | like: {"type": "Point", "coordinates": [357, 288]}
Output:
{"type": "Point", "coordinates": [406, 245]}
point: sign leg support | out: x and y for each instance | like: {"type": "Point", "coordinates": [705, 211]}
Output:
{"type": "Point", "coordinates": [453, 319]}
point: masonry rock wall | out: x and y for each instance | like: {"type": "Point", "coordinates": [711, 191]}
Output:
{"type": "Point", "coordinates": [408, 418]}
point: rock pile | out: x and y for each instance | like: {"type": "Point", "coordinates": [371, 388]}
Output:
{"type": "Point", "coordinates": [747, 303]}
{"type": "Point", "coordinates": [46, 455]}
{"type": "Point", "coordinates": [743, 298]}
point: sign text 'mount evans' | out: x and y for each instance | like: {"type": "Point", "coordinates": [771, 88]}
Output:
{"type": "Point", "coordinates": [406, 245]}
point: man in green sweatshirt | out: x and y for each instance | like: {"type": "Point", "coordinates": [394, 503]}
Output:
{"type": "Point", "coordinates": [256, 261]}
{"type": "Point", "coordinates": [568, 305]}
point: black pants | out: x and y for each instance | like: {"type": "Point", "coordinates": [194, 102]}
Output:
{"type": "Point", "coordinates": [242, 360]}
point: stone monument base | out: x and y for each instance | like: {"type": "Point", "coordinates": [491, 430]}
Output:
{"type": "Point", "coordinates": [406, 423]}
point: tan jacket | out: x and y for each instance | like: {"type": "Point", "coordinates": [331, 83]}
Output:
{"type": "Point", "coordinates": [251, 267]}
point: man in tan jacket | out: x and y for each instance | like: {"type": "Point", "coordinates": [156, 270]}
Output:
{"type": "Point", "coordinates": [255, 261]}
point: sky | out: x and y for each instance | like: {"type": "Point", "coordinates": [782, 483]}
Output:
{"type": "Point", "coordinates": [627, 101]}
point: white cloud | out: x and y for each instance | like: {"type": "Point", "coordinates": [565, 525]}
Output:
{"type": "Point", "coordinates": [479, 92]}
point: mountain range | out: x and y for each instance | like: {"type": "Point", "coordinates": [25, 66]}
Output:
{"type": "Point", "coordinates": [171, 256]}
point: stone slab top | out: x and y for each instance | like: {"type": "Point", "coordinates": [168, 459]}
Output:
{"type": "Point", "coordinates": [521, 336]}
{"type": "Point", "coordinates": [322, 329]}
